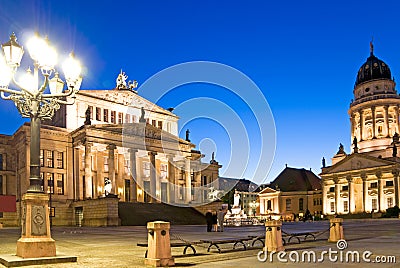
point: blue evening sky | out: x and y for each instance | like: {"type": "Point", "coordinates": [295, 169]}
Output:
{"type": "Point", "coordinates": [303, 55]}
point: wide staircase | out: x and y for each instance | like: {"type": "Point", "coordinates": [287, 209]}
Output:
{"type": "Point", "coordinates": [141, 213]}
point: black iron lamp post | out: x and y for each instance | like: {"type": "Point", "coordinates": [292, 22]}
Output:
{"type": "Point", "coordinates": [36, 98]}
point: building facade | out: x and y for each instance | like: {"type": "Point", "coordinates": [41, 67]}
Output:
{"type": "Point", "coordinates": [109, 145]}
{"type": "Point", "coordinates": [366, 179]}
{"type": "Point", "coordinates": [291, 194]}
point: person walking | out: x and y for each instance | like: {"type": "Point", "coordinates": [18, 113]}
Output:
{"type": "Point", "coordinates": [209, 219]}
{"type": "Point", "coordinates": [221, 217]}
{"type": "Point", "coordinates": [214, 222]}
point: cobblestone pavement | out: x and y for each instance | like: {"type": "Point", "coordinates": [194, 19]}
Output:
{"type": "Point", "coordinates": [116, 246]}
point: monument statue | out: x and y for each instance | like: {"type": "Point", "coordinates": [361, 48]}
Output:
{"type": "Point", "coordinates": [236, 199]}
{"type": "Point", "coordinates": [323, 162]}
{"type": "Point", "coordinates": [394, 150]}
{"type": "Point", "coordinates": [341, 149]}
{"type": "Point", "coordinates": [396, 138]}
{"type": "Point", "coordinates": [187, 135]}
{"type": "Point", "coordinates": [142, 119]}
{"type": "Point", "coordinates": [121, 80]}
{"type": "Point", "coordinates": [87, 117]}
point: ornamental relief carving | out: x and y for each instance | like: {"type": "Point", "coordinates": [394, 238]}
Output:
{"type": "Point", "coordinates": [38, 220]}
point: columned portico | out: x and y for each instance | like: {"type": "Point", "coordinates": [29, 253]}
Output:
{"type": "Point", "coordinates": [188, 181]}
{"type": "Point", "coordinates": [132, 164]}
{"type": "Point", "coordinates": [172, 178]}
{"type": "Point", "coordinates": [350, 193]}
{"type": "Point", "coordinates": [365, 191]}
{"type": "Point", "coordinates": [396, 186]}
{"type": "Point", "coordinates": [111, 167]}
{"type": "Point", "coordinates": [153, 176]}
{"type": "Point", "coordinates": [380, 191]}
{"type": "Point", "coordinates": [337, 195]}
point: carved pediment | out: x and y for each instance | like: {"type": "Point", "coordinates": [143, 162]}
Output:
{"type": "Point", "coordinates": [268, 190]}
{"type": "Point", "coordinates": [357, 162]}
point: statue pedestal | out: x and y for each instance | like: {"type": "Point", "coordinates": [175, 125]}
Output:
{"type": "Point", "coordinates": [35, 241]}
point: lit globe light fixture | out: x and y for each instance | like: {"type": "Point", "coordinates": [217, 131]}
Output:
{"type": "Point", "coordinates": [32, 100]}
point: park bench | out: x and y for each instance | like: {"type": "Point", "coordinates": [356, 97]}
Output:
{"type": "Point", "coordinates": [186, 245]}
{"type": "Point", "coordinates": [289, 237]}
{"type": "Point", "coordinates": [234, 240]}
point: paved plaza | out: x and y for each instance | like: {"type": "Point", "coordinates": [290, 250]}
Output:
{"type": "Point", "coordinates": [116, 246]}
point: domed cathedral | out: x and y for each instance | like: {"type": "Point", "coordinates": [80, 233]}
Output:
{"type": "Point", "coordinates": [374, 112]}
{"type": "Point", "coordinates": [366, 180]}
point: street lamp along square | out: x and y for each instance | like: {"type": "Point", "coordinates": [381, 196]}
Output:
{"type": "Point", "coordinates": [32, 100]}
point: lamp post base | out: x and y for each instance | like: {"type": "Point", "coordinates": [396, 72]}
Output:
{"type": "Point", "coordinates": [35, 241]}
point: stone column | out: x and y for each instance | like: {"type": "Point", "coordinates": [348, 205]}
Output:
{"type": "Point", "coordinates": [325, 198]}
{"type": "Point", "coordinates": [337, 195]}
{"type": "Point", "coordinates": [132, 164]}
{"type": "Point", "coordinates": [171, 178]}
{"type": "Point", "coordinates": [350, 193]}
{"type": "Point", "coordinates": [387, 120]}
{"type": "Point", "coordinates": [353, 125]}
{"type": "Point", "coordinates": [198, 195]}
{"type": "Point", "coordinates": [153, 176]}
{"type": "Point", "coordinates": [111, 168]}
{"type": "Point", "coordinates": [88, 170]}
{"type": "Point", "coordinates": [365, 191]}
{"type": "Point", "coordinates": [361, 124]}
{"type": "Point", "coordinates": [397, 118]}
{"type": "Point", "coordinates": [380, 191]}
{"type": "Point", "coordinates": [77, 175]}
{"type": "Point", "coordinates": [373, 122]}
{"type": "Point", "coordinates": [396, 186]}
{"type": "Point", "coordinates": [188, 181]}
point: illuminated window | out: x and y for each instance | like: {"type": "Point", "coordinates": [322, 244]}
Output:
{"type": "Point", "coordinates": [49, 159]}
{"type": "Point", "coordinates": [127, 118]}
{"type": "Point", "coordinates": [50, 183]}
{"type": "Point", "coordinates": [146, 169]}
{"type": "Point", "coordinates": [389, 202]}
{"type": "Point", "coordinates": [91, 111]}
{"type": "Point", "coordinates": [113, 117]}
{"type": "Point", "coordinates": [346, 206]}
{"type": "Point", "coordinates": [374, 204]}
{"type": "Point", "coordinates": [120, 117]}
{"type": "Point", "coordinates": [106, 163]}
{"type": "Point", "coordinates": [288, 204]}
{"type": "Point", "coordinates": [105, 115]}
{"type": "Point", "coordinates": [42, 158]}
{"type": "Point", "coordinates": [163, 171]}
{"type": "Point", "coordinates": [60, 184]}
{"type": "Point", "coordinates": [60, 159]}
{"type": "Point", "coordinates": [98, 114]}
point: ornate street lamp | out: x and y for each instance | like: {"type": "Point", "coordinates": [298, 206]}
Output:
{"type": "Point", "coordinates": [33, 101]}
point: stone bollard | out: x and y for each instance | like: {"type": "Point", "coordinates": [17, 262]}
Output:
{"type": "Point", "coordinates": [159, 246]}
{"type": "Point", "coordinates": [336, 230]}
{"type": "Point", "coordinates": [273, 236]}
